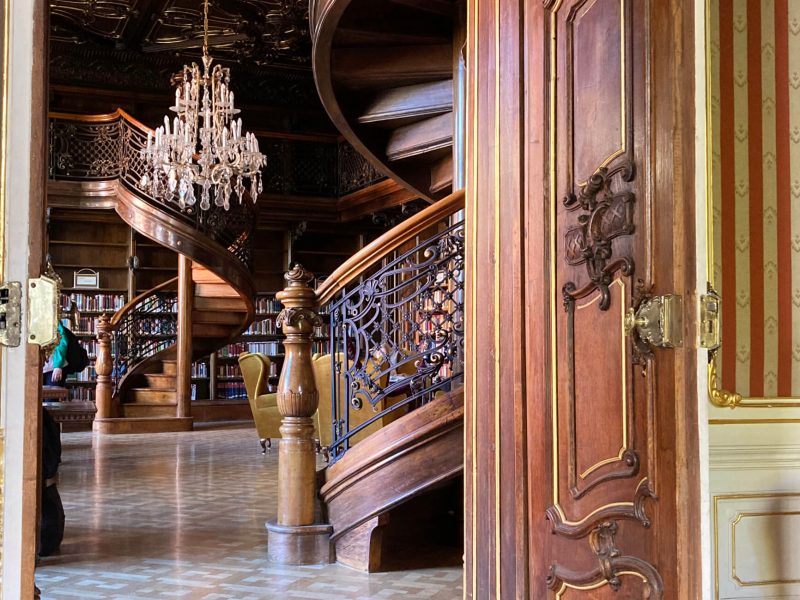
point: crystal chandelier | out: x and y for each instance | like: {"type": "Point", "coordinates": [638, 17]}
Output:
{"type": "Point", "coordinates": [204, 146]}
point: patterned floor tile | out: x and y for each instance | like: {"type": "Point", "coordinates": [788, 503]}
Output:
{"type": "Point", "coordinates": [181, 516]}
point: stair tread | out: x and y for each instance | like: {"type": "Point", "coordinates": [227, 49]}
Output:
{"type": "Point", "coordinates": [217, 316]}
{"type": "Point", "coordinates": [422, 137]}
{"type": "Point", "coordinates": [391, 66]}
{"type": "Point", "coordinates": [410, 102]}
{"type": "Point", "coordinates": [215, 290]}
{"type": "Point", "coordinates": [442, 175]}
{"type": "Point", "coordinates": [141, 403]}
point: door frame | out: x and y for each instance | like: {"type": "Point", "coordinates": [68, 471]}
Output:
{"type": "Point", "coordinates": [22, 213]}
{"type": "Point", "coordinates": [702, 190]}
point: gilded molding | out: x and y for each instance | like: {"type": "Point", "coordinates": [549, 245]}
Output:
{"type": "Point", "coordinates": [719, 397]}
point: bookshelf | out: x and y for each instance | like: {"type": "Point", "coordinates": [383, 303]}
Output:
{"type": "Point", "coordinates": [126, 264]}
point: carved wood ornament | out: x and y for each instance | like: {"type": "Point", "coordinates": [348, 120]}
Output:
{"type": "Point", "coordinates": [606, 215]}
{"type": "Point", "coordinates": [612, 564]}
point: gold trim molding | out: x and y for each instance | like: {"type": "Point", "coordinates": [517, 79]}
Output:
{"type": "Point", "coordinates": [718, 396]}
{"type": "Point", "coordinates": [749, 515]}
{"type": "Point", "coordinates": [716, 499]}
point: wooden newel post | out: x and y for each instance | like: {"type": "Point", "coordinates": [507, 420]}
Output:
{"type": "Point", "coordinates": [294, 537]}
{"type": "Point", "coordinates": [104, 365]}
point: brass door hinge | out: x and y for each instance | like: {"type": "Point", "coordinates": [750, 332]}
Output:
{"type": "Point", "coordinates": [709, 320]}
{"type": "Point", "coordinates": [658, 321]}
{"type": "Point", "coordinates": [10, 313]}
{"type": "Point", "coordinates": [43, 309]}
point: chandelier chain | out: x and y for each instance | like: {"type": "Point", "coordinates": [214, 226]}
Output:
{"type": "Point", "coordinates": [205, 27]}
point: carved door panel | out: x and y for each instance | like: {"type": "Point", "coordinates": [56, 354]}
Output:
{"type": "Point", "coordinates": [605, 458]}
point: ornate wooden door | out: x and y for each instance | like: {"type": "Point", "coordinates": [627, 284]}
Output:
{"type": "Point", "coordinates": [582, 444]}
{"type": "Point", "coordinates": [612, 503]}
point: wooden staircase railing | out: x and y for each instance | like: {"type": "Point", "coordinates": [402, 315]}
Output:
{"type": "Point", "coordinates": [400, 294]}
{"type": "Point", "coordinates": [106, 150]}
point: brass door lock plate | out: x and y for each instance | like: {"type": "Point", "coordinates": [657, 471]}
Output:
{"type": "Point", "coordinates": [10, 314]}
{"type": "Point", "coordinates": [709, 320]}
{"type": "Point", "coordinates": [658, 321]}
{"type": "Point", "coordinates": [43, 293]}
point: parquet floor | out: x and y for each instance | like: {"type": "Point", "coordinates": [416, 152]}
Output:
{"type": "Point", "coordinates": [182, 516]}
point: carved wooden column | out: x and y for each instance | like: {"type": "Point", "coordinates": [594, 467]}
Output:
{"type": "Point", "coordinates": [104, 366]}
{"type": "Point", "coordinates": [183, 383]}
{"type": "Point", "coordinates": [294, 537]}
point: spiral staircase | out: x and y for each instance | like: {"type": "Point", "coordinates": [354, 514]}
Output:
{"type": "Point", "coordinates": [386, 71]}
{"type": "Point", "coordinates": [143, 366]}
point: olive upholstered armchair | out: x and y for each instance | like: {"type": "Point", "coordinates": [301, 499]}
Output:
{"type": "Point", "coordinates": [255, 372]}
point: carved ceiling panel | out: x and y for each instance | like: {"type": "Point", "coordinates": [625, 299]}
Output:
{"type": "Point", "coordinates": [104, 18]}
{"type": "Point", "coordinates": [260, 32]}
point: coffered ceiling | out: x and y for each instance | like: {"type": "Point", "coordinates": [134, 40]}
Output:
{"type": "Point", "coordinates": [254, 32]}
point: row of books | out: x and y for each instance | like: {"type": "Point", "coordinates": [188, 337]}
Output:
{"type": "Point", "coordinates": [83, 325]}
{"type": "Point", "coordinates": [93, 302]}
{"type": "Point", "coordinates": [267, 304]}
{"type": "Point", "coordinates": [231, 389]}
{"type": "Point", "coordinates": [234, 350]}
{"type": "Point", "coordinates": [265, 327]}
{"type": "Point", "coordinates": [199, 369]}
{"type": "Point", "coordinates": [229, 370]}
{"type": "Point", "coordinates": [88, 374]}
{"type": "Point", "coordinates": [268, 348]}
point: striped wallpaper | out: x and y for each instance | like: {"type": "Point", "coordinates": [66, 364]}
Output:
{"type": "Point", "coordinates": [755, 156]}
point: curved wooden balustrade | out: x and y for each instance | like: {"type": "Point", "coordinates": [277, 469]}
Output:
{"type": "Point", "coordinates": [103, 151]}
{"type": "Point", "coordinates": [387, 243]}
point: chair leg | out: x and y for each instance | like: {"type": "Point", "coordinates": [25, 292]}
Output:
{"type": "Point", "coordinates": [264, 445]}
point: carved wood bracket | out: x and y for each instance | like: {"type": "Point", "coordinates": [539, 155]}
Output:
{"type": "Point", "coordinates": [605, 216]}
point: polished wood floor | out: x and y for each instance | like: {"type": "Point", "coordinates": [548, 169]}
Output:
{"type": "Point", "coordinates": [182, 516]}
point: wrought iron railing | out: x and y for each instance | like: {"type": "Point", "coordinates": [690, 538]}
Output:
{"type": "Point", "coordinates": [109, 147]}
{"type": "Point", "coordinates": [146, 326]}
{"type": "Point", "coordinates": [397, 334]}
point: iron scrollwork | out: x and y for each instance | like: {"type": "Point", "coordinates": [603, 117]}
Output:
{"type": "Point", "coordinates": [149, 327]}
{"type": "Point", "coordinates": [607, 215]}
{"type": "Point", "coordinates": [398, 335]}
{"type": "Point", "coordinates": [83, 150]}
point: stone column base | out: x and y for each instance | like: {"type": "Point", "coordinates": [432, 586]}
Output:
{"type": "Point", "coordinates": [299, 545]}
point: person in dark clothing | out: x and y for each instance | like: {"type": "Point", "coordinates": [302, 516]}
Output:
{"type": "Point", "coordinates": [55, 368]}
{"type": "Point", "coordinates": [51, 525]}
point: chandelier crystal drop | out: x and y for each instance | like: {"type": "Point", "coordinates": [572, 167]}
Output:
{"type": "Point", "coordinates": [203, 149]}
